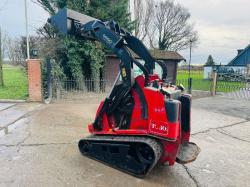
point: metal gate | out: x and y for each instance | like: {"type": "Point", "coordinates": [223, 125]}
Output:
{"type": "Point", "coordinates": [71, 89]}
{"type": "Point", "coordinates": [233, 84]}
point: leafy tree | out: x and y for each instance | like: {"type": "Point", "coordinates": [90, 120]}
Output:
{"type": "Point", "coordinates": [80, 58]}
{"type": "Point", "coordinates": [210, 61]}
{"type": "Point", "coordinates": [111, 10]}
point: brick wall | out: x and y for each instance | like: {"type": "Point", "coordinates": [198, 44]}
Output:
{"type": "Point", "coordinates": [34, 77]}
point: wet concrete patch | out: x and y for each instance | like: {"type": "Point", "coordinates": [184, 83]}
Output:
{"type": "Point", "coordinates": [17, 124]}
{"type": "Point", "coordinates": [15, 113]}
{"type": "Point", "coordinates": [17, 133]}
{"type": "Point", "coordinates": [10, 116]}
{"type": "Point", "coordinates": [60, 123]}
{"type": "Point", "coordinates": [4, 106]}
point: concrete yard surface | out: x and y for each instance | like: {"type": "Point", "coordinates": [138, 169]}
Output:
{"type": "Point", "coordinates": [42, 149]}
{"type": "Point", "coordinates": [12, 113]}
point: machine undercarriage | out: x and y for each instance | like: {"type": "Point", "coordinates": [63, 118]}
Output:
{"type": "Point", "coordinates": [133, 154]}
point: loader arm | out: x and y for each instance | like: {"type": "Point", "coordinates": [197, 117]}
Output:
{"type": "Point", "coordinates": [112, 36]}
{"type": "Point", "coordinates": [118, 41]}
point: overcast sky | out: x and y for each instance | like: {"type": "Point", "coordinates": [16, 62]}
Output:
{"type": "Point", "coordinates": [12, 17]}
{"type": "Point", "coordinates": [223, 25]}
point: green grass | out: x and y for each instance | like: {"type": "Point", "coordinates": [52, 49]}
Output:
{"type": "Point", "coordinates": [198, 83]}
{"type": "Point", "coordinates": [15, 83]}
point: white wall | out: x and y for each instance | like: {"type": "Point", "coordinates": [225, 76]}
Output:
{"type": "Point", "coordinates": [207, 72]}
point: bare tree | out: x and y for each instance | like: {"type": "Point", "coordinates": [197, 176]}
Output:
{"type": "Point", "coordinates": [3, 42]}
{"type": "Point", "coordinates": [172, 30]}
{"type": "Point", "coordinates": [164, 25]}
{"type": "Point", "coordinates": [17, 49]}
{"type": "Point", "coordinates": [47, 31]}
{"type": "Point", "coordinates": [138, 13]}
{"type": "Point", "coordinates": [15, 52]}
{"type": "Point", "coordinates": [143, 13]}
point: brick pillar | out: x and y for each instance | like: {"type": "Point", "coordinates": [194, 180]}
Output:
{"type": "Point", "coordinates": [35, 82]}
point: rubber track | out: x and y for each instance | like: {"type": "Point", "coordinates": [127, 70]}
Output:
{"type": "Point", "coordinates": [154, 144]}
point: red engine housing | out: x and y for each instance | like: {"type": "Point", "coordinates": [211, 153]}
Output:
{"type": "Point", "coordinates": [157, 124]}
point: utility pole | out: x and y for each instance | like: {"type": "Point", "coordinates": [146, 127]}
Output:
{"type": "Point", "coordinates": [189, 69]}
{"type": "Point", "coordinates": [190, 59]}
{"type": "Point", "coordinates": [1, 60]}
{"type": "Point", "coordinates": [27, 30]}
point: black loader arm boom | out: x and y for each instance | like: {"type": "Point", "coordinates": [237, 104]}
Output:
{"type": "Point", "coordinates": [112, 36]}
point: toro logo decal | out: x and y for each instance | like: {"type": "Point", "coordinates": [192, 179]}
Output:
{"type": "Point", "coordinates": [158, 128]}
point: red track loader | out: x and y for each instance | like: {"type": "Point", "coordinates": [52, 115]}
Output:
{"type": "Point", "coordinates": [145, 120]}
